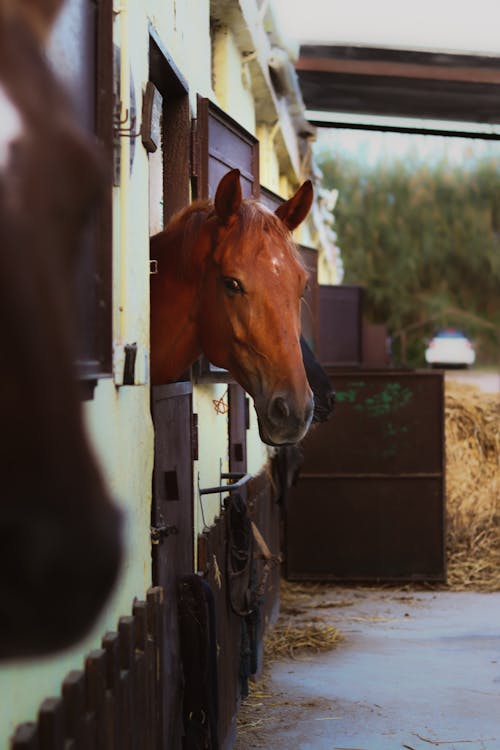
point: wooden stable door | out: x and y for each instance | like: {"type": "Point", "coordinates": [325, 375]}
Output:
{"type": "Point", "coordinates": [239, 416]}
{"type": "Point", "coordinates": [81, 54]}
{"type": "Point", "coordinates": [369, 504]}
{"type": "Point", "coordinates": [165, 132]}
{"type": "Point", "coordinates": [172, 532]}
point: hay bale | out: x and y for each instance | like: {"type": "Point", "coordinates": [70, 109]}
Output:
{"type": "Point", "coordinates": [472, 487]}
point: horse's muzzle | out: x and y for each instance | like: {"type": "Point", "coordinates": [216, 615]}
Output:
{"type": "Point", "coordinates": [282, 422]}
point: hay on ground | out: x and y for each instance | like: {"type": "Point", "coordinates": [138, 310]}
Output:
{"type": "Point", "coordinates": [472, 488]}
{"type": "Point", "coordinates": [289, 640]}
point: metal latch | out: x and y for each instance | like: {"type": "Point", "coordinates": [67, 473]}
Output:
{"type": "Point", "coordinates": [162, 531]}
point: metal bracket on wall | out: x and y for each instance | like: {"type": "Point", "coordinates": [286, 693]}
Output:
{"type": "Point", "coordinates": [236, 482]}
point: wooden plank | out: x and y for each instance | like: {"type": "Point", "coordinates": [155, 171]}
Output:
{"type": "Point", "coordinates": [26, 737]}
{"type": "Point", "coordinates": [399, 97]}
{"type": "Point", "coordinates": [111, 645]}
{"type": "Point", "coordinates": [144, 653]}
{"type": "Point", "coordinates": [73, 692]}
{"type": "Point", "coordinates": [155, 629]}
{"type": "Point", "coordinates": [126, 633]}
{"type": "Point", "coordinates": [399, 70]}
{"type": "Point", "coordinates": [95, 674]}
{"type": "Point", "coordinates": [51, 725]}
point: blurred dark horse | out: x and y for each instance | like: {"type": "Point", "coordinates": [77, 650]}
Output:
{"type": "Point", "coordinates": [287, 461]}
{"type": "Point", "coordinates": [321, 385]}
{"type": "Point", "coordinates": [59, 532]}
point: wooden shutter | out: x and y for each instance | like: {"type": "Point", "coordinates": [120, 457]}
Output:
{"type": "Point", "coordinates": [81, 53]}
{"type": "Point", "coordinates": [220, 144]}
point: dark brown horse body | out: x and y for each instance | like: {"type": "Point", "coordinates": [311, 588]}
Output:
{"type": "Point", "coordinates": [229, 284]}
{"type": "Point", "coordinates": [59, 532]}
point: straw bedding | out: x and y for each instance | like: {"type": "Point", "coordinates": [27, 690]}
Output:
{"type": "Point", "coordinates": [472, 488]}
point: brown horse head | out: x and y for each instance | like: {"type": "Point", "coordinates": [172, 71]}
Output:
{"type": "Point", "coordinates": [229, 285]}
{"type": "Point", "coordinates": [249, 306]}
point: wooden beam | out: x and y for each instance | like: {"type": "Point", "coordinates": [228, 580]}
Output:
{"type": "Point", "coordinates": [399, 70]}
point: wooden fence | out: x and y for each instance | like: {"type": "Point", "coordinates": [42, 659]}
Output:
{"type": "Point", "coordinates": [212, 563]}
{"type": "Point", "coordinates": [114, 702]}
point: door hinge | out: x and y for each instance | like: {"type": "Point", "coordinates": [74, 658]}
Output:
{"type": "Point", "coordinates": [195, 159]}
{"type": "Point", "coordinates": [194, 437]}
{"type": "Point", "coordinates": [247, 413]}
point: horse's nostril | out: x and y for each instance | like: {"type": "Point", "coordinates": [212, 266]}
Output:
{"type": "Point", "coordinates": [279, 411]}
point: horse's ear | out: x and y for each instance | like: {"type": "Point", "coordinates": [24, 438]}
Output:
{"type": "Point", "coordinates": [228, 196]}
{"type": "Point", "coordinates": [294, 211]}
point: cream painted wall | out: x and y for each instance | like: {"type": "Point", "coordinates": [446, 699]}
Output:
{"type": "Point", "coordinates": [184, 27]}
{"type": "Point", "coordinates": [257, 451]}
{"type": "Point", "coordinates": [269, 163]}
{"type": "Point", "coordinates": [231, 80]}
{"type": "Point", "coordinates": [212, 449]}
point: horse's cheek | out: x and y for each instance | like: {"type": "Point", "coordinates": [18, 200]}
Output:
{"type": "Point", "coordinates": [213, 332]}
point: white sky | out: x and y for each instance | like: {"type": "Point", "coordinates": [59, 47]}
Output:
{"type": "Point", "coordinates": [451, 25]}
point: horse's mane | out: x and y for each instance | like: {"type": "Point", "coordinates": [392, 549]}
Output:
{"type": "Point", "coordinates": [183, 230]}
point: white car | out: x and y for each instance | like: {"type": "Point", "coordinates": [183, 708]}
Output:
{"type": "Point", "coordinates": [450, 348]}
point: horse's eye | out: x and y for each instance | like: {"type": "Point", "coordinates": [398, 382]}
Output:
{"type": "Point", "coordinates": [233, 285]}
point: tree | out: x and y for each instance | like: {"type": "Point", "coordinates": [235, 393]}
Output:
{"type": "Point", "coordinates": [422, 239]}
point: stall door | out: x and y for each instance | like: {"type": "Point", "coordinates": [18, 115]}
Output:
{"type": "Point", "coordinates": [172, 531]}
{"type": "Point", "coordinates": [239, 416]}
{"type": "Point", "coordinates": [340, 326]}
{"type": "Point", "coordinates": [369, 501]}
{"type": "Point", "coordinates": [81, 55]}
{"type": "Point", "coordinates": [221, 144]}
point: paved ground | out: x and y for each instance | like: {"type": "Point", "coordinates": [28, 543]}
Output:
{"type": "Point", "coordinates": [488, 381]}
{"type": "Point", "coordinates": [416, 670]}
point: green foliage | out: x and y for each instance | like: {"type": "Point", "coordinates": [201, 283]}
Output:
{"type": "Point", "coordinates": [422, 239]}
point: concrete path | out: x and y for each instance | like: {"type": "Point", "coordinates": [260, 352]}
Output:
{"type": "Point", "coordinates": [488, 381]}
{"type": "Point", "coordinates": [416, 670]}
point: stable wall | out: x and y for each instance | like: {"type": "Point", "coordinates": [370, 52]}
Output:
{"type": "Point", "coordinates": [118, 417]}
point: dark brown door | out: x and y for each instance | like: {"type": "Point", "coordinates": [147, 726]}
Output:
{"type": "Point", "coordinates": [81, 55]}
{"type": "Point", "coordinates": [369, 501]}
{"type": "Point", "coordinates": [239, 405]}
{"type": "Point", "coordinates": [221, 144]}
{"type": "Point", "coordinates": [172, 521]}
{"type": "Point", "coordinates": [340, 314]}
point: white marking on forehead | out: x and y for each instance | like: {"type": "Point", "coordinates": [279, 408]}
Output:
{"type": "Point", "coordinates": [277, 264]}
{"type": "Point", "coordinates": [11, 126]}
